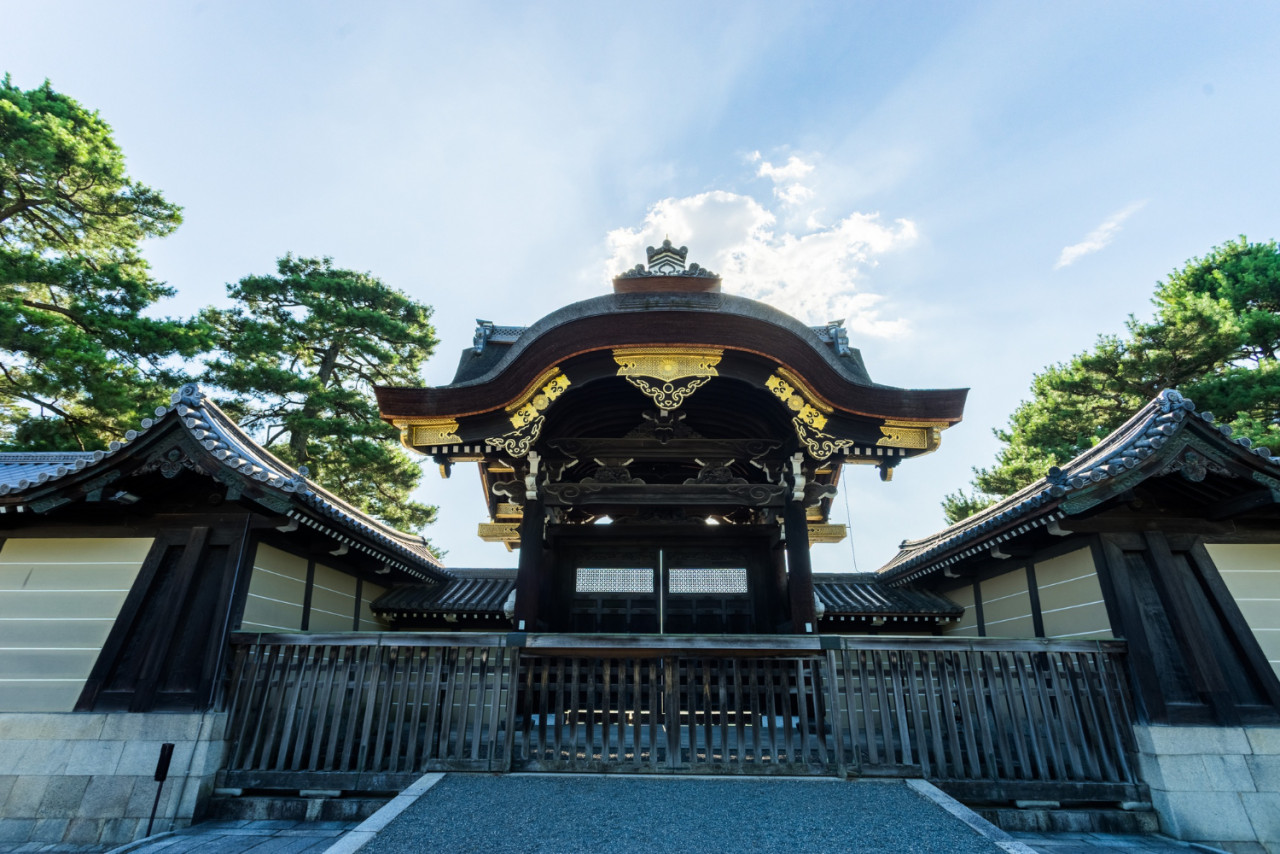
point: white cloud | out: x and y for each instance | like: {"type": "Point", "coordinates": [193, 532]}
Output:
{"type": "Point", "coordinates": [786, 179]}
{"type": "Point", "coordinates": [793, 170]}
{"type": "Point", "coordinates": [1097, 239]}
{"type": "Point", "coordinates": [813, 275]}
{"type": "Point", "coordinates": [793, 195]}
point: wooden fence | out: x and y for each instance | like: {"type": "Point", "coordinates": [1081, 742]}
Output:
{"type": "Point", "coordinates": [984, 718]}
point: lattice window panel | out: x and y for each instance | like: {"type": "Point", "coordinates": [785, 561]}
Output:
{"type": "Point", "coordinates": [728, 581]}
{"type": "Point", "coordinates": [615, 580]}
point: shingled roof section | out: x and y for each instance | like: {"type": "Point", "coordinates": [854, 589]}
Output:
{"type": "Point", "coordinates": [1080, 484]}
{"type": "Point", "coordinates": [29, 475]}
{"type": "Point", "coordinates": [484, 592]}
{"type": "Point", "coordinates": [21, 470]}
{"type": "Point", "coordinates": [470, 591]}
{"type": "Point", "coordinates": [862, 594]}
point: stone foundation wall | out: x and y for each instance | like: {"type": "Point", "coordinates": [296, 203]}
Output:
{"type": "Point", "coordinates": [1219, 785]}
{"type": "Point", "coordinates": [89, 778]}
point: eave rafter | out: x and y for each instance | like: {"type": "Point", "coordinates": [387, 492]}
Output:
{"type": "Point", "coordinates": [669, 376]}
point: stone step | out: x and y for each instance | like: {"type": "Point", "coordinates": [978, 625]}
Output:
{"type": "Point", "coordinates": [1071, 820]}
{"type": "Point", "coordinates": [288, 807]}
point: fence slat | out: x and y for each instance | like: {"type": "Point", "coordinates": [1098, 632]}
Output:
{"type": "Point", "coordinates": [980, 710]}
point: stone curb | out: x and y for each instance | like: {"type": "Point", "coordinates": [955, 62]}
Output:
{"type": "Point", "coordinates": [354, 840]}
{"type": "Point", "coordinates": [976, 822]}
{"type": "Point", "coordinates": [138, 843]}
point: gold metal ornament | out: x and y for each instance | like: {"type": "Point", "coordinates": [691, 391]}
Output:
{"type": "Point", "coordinates": [820, 446]}
{"type": "Point", "coordinates": [827, 534]}
{"type": "Point", "coordinates": [924, 436]}
{"type": "Point", "coordinates": [518, 442]}
{"type": "Point", "coordinates": [640, 366]}
{"type": "Point", "coordinates": [499, 532]}
{"type": "Point", "coordinates": [548, 387]}
{"type": "Point", "coordinates": [431, 432]}
{"type": "Point", "coordinates": [809, 416]}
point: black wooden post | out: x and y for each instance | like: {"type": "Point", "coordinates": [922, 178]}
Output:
{"type": "Point", "coordinates": [799, 569]}
{"type": "Point", "coordinates": [528, 582]}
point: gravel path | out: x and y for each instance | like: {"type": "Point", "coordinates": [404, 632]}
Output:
{"type": "Point", "coordinates": [566, 814]}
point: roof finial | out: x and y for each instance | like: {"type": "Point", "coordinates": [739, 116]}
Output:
{"type": "Point", "coordinates": [666, 262]}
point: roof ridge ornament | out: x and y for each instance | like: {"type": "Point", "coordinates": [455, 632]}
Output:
{"type": "Point", "coordinates": [668, 262]}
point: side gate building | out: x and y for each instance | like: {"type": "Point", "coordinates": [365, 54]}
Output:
{"type": "Point", "coordinates": [662, 458]}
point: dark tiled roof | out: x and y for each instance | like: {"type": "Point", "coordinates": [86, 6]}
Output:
{"type": "Point", "coordinates": [475, 591]}
{"type": "Point", "coordinates": [471, 591]}
{"type": "Point", "coordinates": [1127, 448]}
{"type": "Point", "coordinates": [21, 470]}
{"type": "Point", "coordinates": [231, 447]}
{"type": "Point", "coordinates": [863, 594]}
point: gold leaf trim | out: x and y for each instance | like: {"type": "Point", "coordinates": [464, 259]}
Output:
{"type": "Point", "coordinates": [667, 363]}
{"type": "Point", "coordinates": [820, 445]}
{"type": "Point", "coordinates": [827, 533]}
{"type": "Point", "coordinates": [805, 391]}
{"type": "Point", "coordinates": [923, 435]}
{"type": "Point", "coordinates": [794, 400]}
{"type": "Point", "coordinates": [533, 404]}
{"type": "Point", "coordinates": [518, 442]}
{"type": "Point", "coordinates": [436, 431]}
{"type": "Point", "coordinates": [668, 395]}
{"type": "Point", "coordinates": [499, 532]}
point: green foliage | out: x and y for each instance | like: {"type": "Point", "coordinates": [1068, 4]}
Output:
{"type": "Point", "coordinates": [299, 354]}
{"type": "Point", "coordinates": [74, 346]}
{"type": "Point", "coordinates": [1215, 338]}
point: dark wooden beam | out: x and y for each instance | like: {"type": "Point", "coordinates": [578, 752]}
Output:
{"type": "Point", "coordinates": [528, 580]}
{"type": "Point", "coordinates": [162, 637]}
{"type": "Point", "coordinates": [1235, 623]}
{"type": "Point", "coordinates": [977, 608]}
{"type": "Point", "coordinates": [1197, 648]}
{"type": "Point", "coordinates": [124, 622]}
{"type": "Point", "coordinates": [1255, 500]}
{"type": "Point", "coordinates": [1130, 522]}
{"type": "Point", "coordinates": [799, 569]}
{"type": "Point", "coordinates": [1127, 623]}
{"type": "Point", "coordinates": [1033, 593]}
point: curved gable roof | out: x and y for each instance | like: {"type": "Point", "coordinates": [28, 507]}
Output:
{"type": "Point", "coordinates": [1140, 448]}
{"type": "Point", "coordinates": [32, 482]}
{"type": "Point", "coordinates": [668, 319]}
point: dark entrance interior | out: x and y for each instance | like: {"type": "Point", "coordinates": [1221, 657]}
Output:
{"type": "Point", "coordinates": [686, 579]}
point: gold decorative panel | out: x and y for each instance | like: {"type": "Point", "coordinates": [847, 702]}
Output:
{"type": "Point", "coordinates": [910, 434]}
{"type": "Point", "coordinates": [429, 433]}
{"type": "Point", "coordinates": [827, 534]}
{"type": "Point", "coordinates": [499, 532]}
{"type": "Point", "coordinates": [518, 442]}
{"type": "Point", "coordinates": [640, 366]}
{"type": "Point", "coordinates": [531, 407]}
{"type": "Point", "coordinates": [808, 417]}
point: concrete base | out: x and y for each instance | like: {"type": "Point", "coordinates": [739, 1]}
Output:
{"type": "Point", "coordinates": [1071, 820]}
{"type": "Point", "coordinates": [1217, 785]}
{"type": "Point", "coordinates": [292, 809]}
{"type": "Point", "coordinates": [88, 778]}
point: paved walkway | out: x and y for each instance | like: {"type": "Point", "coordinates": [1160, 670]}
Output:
{"type": "Point", "coordinates": [581, 814]}
{"type": "Point", "coordinates": [568, 814]}
{"type": "Point", "coordinates": [1107, 843]}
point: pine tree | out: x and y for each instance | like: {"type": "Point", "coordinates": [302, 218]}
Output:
{"type": "Point", "coordinates": [1215, 337]}
{"type": "Point", "coordinates": [298, 355]}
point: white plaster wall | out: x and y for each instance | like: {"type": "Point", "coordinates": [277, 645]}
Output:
{"type": "Point", "coordinates": [1071, 603]}
{"type": "Point", "coordinates": [1251, 572]}
{"type": "Point", "coordinates": [59, 597]}
{"type": "Point", "coordinates": [1219, 785]}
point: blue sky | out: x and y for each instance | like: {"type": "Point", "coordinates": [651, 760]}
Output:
{"type": "Point", "coordinates": [979, 188]}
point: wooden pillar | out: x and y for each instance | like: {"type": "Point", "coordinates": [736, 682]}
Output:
{"type": "Point", "coordinates": [799, 569]}
{"type": "Point", "coordinates": [528, 580]}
